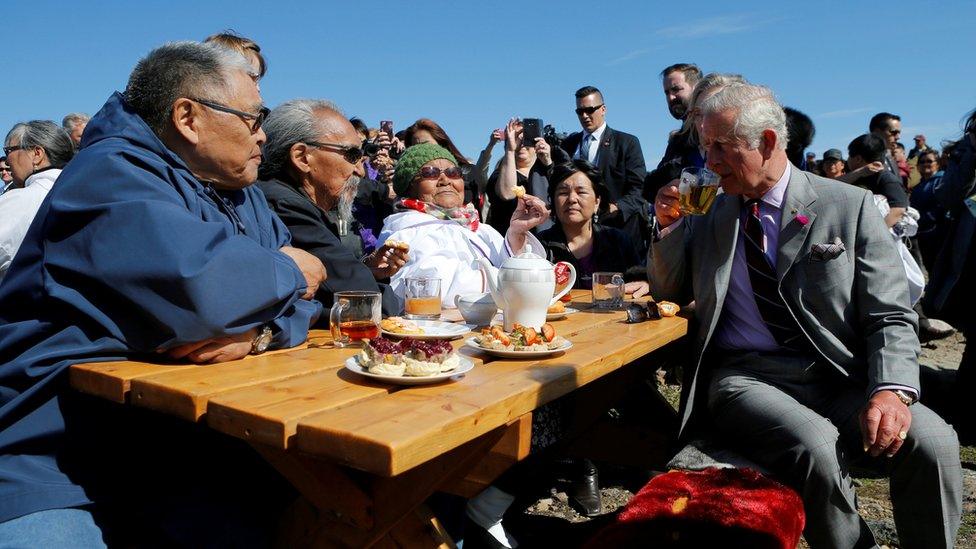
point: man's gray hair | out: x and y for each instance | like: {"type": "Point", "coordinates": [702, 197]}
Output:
{"type": "Point", "coordinates": [73, 119]}
{"type": "Point", "coordinates": [295, 121]}
{"type": "Point", "coordinates": [756, 110]}
{"type": "Point", "coordinates": [709, 83]}
{"type": "Point", "coordinates": [46, 135]}
{"type": "Point", "coordinates": [180, 69]}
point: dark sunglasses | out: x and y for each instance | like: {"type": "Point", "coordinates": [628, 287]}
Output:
{"type": "Point", "coordinates": [588, 110]}
{"type": "Point", "coordinates": [350, 153]}
{"type": "Point", "coordinates": [11, 148]}
{"type": "Point", "coordinates": [257, 119]}
{"type": "Point", "coordinates": [433, 172]}
{"type": "Point", "coordinates": [920, 162]}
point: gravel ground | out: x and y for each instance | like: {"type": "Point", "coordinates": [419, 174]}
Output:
{"type": "Point", "coordinates": [563, 526]}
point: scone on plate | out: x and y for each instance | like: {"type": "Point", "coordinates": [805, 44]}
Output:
{"type": "Point", "coordinates": [556, 308]}
{"type": "Point", "coordinates": [398, 325]}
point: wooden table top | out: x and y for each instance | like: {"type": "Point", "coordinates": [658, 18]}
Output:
{"type": "Point", "coordinates": [304, 398]}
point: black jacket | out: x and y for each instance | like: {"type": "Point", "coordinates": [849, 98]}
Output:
{"type": "Point", "coordinates": [312, 231]}
{"type": "Point", "coordinates": [613, 251]}
{"type": "Point", "coordinates": [622, 163]}
{"type": "Point", "coordinates": [681, 153]}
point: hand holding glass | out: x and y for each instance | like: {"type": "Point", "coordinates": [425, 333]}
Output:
{"type": "Point", "coordinates": [697, 189]}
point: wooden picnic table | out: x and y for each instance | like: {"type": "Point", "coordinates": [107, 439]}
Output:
{"type": "Point", "coordinates": [365, 455]}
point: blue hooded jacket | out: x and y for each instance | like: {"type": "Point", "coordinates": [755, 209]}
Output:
{"type": "Point", "coordinates": [128, 254]}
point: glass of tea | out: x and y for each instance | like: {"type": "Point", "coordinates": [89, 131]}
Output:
{"type": "Point", "coordinates": [422, 298]}
{"type": "Point", "coordinates": [355, 316]}
{"type": "Point", "coordinates": [697, 190]}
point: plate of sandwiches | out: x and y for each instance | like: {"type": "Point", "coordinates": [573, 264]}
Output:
{"type": "Point", "coordinates": [521, 342]}
{"type": "Point", "coordinates": [409, 361]}
{"type": "Point", "coordinates": [402, 328]}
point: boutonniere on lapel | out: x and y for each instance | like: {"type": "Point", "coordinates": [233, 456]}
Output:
{"type": "Point", "coordinates": [801, 219]}
{"type": "Point", "coordinates": [827, 250]}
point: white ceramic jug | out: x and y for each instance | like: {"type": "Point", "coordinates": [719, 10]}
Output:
{"type": "Point", "coordinates": [523, 288]}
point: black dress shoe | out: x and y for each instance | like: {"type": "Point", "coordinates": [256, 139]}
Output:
{"type": "Point", "coordinates": [476, 537]}
{"type": "Point", "coordinates": [584, 490]}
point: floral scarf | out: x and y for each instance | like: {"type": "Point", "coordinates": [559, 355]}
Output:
{"type": "Point", "coordinates": [466, 216]}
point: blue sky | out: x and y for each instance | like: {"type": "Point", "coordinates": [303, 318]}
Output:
{"type": "Point", "coordinates": [472, 65]}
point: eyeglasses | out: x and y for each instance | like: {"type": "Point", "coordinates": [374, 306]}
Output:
{"type": "Point", "coordinates": [920, 162]}
{"type": "Point", "coordinates": [588, 110]}
{"type": "Point", "coordinates": [2, 169]}
{"type": "Point", "coordinates": [11, 148]}
{"type": "Point", "coordinates": [350, 153]}
{"type": "Point", "coordinates": [433, 172]}
{"type": "Point", "coordinates": [258, 118]}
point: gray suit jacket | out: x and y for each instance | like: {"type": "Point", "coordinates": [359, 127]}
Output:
{"type": "Point", "coordinates": [853, 308]}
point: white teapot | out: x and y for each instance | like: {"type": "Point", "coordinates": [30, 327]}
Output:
{"type": "Point", "coordinates": [523, 288]}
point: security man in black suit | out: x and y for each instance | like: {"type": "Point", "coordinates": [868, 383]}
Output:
{"type": "Point", "coordinates": [618, 156]}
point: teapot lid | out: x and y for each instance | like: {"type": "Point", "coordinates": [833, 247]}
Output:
{"type": "Point", "coordinates": [527, 261]}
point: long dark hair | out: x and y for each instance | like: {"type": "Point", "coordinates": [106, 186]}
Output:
{"type": "Point", "coordinates": [439, 135]}
{"type": "Point", "coordinates": [562, 172]}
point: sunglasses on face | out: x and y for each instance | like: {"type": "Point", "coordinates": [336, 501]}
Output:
{"type": "Point", "coordinates": [350, 153]}
{"type": "Point", "coordinates": [588, 110]}
{"type": "Point", "coordinates": [433, 172]}
{"type": "Point", "coordinates": [920, 162]}
{"type": "Point", "coordinates": [253, 121]}
{"type": "Point", "coordinates": [10, 149]}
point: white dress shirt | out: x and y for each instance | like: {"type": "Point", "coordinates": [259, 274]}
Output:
{"type": "Point", "coordinates": [596, 136]}
{"type": "Point", "coordinates": [17, 210]}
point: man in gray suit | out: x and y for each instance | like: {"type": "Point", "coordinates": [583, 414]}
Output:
{"type": "Point", "coordinates": [806, 353]}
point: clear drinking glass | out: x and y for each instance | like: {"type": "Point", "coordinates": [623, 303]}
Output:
{"type": "Point", "coordinates": [422, 298]}
{"type": "Point", "coordinates": [608, 290]}
{"type": "Point", "coordinates": [355, 316]}
{"type": "Point", "coordinates": [697, 190]}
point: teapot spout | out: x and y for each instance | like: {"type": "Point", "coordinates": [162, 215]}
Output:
{"type": "Point", "coordinates": [491, 277]}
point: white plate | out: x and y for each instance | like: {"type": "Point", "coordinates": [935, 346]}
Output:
{"type": "Point", "coordinates": [557, 316]}
{"type": "Point", "coordinates": [470, 342]}
{"type": "Point", "coordinates": [434, 329]}
{"type": "Point", "coordinates": [464, 366]}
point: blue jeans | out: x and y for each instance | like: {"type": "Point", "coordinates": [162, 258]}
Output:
{"type": "Point", "coordinates": [54, 528]}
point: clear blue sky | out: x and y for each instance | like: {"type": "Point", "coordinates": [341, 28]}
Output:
{"type": "Point", "coordinates": [471, 65]}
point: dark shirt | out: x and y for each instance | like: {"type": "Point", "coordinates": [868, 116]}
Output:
{"type": "Point", "coordinates": [612, 251]}
{"type": "Point", "coordinates": [313, 231]}
{"type": "Point", "coordinates": [886, 184]}
{"type": "Point", "coordinates": [371, 207]}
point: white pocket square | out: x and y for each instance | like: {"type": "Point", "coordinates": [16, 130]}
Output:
{"type": "Point", "coordinates": [827, 251]}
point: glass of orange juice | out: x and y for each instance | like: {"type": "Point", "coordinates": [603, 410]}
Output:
{"type": "Point", "coordinates": [423, 298]}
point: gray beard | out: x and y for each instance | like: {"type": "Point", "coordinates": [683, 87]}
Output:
{"type": "Point", "coordinates": [346, 197]}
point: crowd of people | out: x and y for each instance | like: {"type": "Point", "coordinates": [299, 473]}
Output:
{"type": "Point", "coordinates": [188, 222]}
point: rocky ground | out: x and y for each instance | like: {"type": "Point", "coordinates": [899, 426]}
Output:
{"type": "Point", "coordinates": [563, 526]}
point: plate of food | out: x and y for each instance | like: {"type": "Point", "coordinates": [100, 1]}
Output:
{"type": "Point", "coordinates": [559, 311]}
{"type": "Point", "coordinates": [403, 328]}
{"type": "Point", "coordinates": [521, 342]}
{"type": "Point", "coordinates": [408, 361]}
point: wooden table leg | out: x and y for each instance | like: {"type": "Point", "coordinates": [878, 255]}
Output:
{"type": "Point", "coordinates": [347, 508]}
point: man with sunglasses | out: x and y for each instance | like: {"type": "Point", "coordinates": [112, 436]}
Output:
{"type": "Point", "coordinates": [887, 126]}
{"type": "Point", "coordinates": [313, 165]}
{"type": "Point", "coordinates": [618, 156]}
{"type": "Point", "coordinates": [6, 175]}
{"type": "Point", "coordinates": [154, 244]}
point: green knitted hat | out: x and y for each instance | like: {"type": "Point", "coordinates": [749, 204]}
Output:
{"type": "Point", "coordinates": [413, 159]}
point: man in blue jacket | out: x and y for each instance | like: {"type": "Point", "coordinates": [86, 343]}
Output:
{"type": "Point", "coordinates": [153, 243]}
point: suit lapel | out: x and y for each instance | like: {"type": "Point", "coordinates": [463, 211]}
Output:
{"type": "Point", "coordinates": [798, 215]}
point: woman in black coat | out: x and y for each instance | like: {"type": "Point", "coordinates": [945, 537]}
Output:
{"type": "Point", "coordinates": [578, 197]}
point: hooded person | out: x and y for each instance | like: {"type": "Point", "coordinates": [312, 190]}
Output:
{"type": "Point", "coordinates": [152, 245]}
{"type": "Point", "coordinates": [446, 236]}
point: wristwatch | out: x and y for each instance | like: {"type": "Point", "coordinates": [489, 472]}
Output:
{"type": "Point", "coordinates": [261, 341]}
{"type": "Point", "coordinates": [904, 396]}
